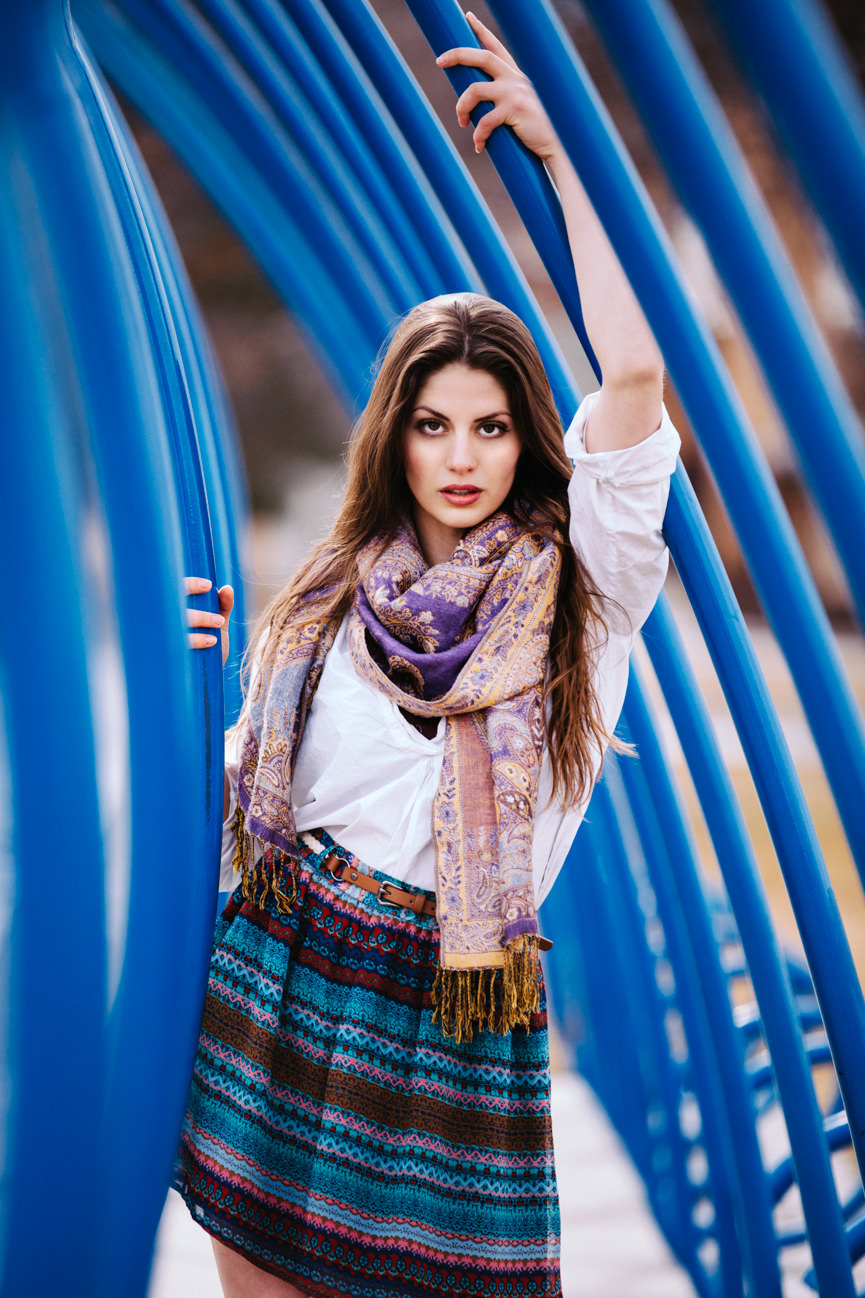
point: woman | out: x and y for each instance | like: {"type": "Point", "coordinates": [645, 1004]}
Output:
{"type": "Point", "coordinates": [428, 709]}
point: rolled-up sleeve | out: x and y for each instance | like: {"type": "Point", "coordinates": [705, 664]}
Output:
{"type": "Point", "coordinates": [617, 501]}
{"type": "Point", "coordinates": [228, 879]}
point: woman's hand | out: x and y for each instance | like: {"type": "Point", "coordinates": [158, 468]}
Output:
{"type": "Point", "coordinates": [198, 617]}
{"type": "Point", "coordinates": [628, 409]}
{"type": "Point", "coordinates": [512, 95]}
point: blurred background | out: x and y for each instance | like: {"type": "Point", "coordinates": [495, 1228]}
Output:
{"type": "Point", "coordinates": [293, 427]}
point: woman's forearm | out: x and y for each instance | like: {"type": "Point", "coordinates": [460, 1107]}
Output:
{"type": "Point", "coordinates": [629, 408]}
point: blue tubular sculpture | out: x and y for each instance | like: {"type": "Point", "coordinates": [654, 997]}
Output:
{"type": "Point", "coordinates": [455, 188]}
{"type": "Point", "coordinates": [90, 351]}
{"type": "Point", "coordinates": [299, 105]}
{"type": "Point", "coordinates": [45, 504]}
{"type": "Point", "coordinates": [388, 268]}
{"type": "Point", "coordinates": [769, 978]}
{"type": "Point", "coordinates": [763, 529]}
{"type": "Point", "coordinates": [784, 45]}
{"type": "Point", "coordinates": [280, 242]}
{"type": "Point", "coordinates": [234, 85]}
{"type": "Point", "coordinates": [321, 57]}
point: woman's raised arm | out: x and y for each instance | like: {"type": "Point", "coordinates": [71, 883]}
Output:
{"type": "Point", "coordinates": [628, 408]}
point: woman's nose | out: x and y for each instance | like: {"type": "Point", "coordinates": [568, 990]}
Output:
{"type": "Point", "coordinates": [461, 454]}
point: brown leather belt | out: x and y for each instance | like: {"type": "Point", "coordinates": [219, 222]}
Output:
{"type": "Point", "coordinates": [388, 894]}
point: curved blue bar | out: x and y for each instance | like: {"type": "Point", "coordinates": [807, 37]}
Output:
{"type": "Point", "coordinates": [114, 289]}
{"type": "Point", "coordinates": [54, 973]}
{"type": "Point", "coordinates": [320, 102]}
{"type": "Point", "coordinates": [297, 116]}
{"type": "Point", "coordinates": [784, 45]}
{"type": "Point", "coordinates": [635, 984]}
{"type": "Point", "coordinates": [523, 175]}
{"type": "Point", "coordinates": [735, 856]}
{"type": "Point", "coordinates": [814, 905]}
{"type": "Point", "coordinates": [93, 323]}
{"type": "Point", "coordinates": [703, 161]}
{"type": "Point", "coordinates": [172, 354]}
{"type": "Point", "coordinates": [456, 190]}
{"type": "Point", "coordinates": [310, 43]}
{"type": "Point", "coordinates": [618, 1008]}
{"type": "Point", "coordinates": [212, 71]}
{"type": "Point", "coordinates": [749, 492]}
{"type": "Point", "coordinates": [715, 1050]}
{"type": "Point", "coordinates": [341, 340]}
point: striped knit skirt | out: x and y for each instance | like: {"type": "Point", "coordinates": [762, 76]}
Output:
{"type": "Point", "coordinates": [336, 1138]}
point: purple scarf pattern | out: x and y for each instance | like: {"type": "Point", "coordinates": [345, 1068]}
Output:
{"type": "Point", "coordinates": [469, 640]}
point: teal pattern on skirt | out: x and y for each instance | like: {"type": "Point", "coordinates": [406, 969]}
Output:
{"type": "Point", "coordinates": [336, 1138]}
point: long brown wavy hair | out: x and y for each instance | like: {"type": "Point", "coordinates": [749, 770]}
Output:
{"type": "Point", "coordinates": [471, 330]}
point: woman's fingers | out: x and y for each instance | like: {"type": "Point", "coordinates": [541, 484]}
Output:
{"type": "Point", "coordinates": [226, 600]}
{"type": "Point", "coordinates": [197, 640]}
{"type": "Point", "coordinates": [489, 40]}
{"type": "Point", "coordinates": [226, 604]}
{"type": "Point", "coordinates": [202, 618]}
{"type": "Point", "coordinates": [512, 95]}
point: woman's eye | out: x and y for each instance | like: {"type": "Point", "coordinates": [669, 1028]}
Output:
{"type": "Point", "coordinates": [493, 430]}
{"type": "Point", "coordinates": [430, 426]}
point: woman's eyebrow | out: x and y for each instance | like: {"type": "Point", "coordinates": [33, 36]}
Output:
{"type": "Point", "coordinates": [482, 419]}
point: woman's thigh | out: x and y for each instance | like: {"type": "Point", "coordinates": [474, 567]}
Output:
{"type": "Point", "coordinates": [240, 1279]}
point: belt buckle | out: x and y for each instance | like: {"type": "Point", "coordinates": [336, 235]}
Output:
{"type": "Point", "coordinates": [382, 900]}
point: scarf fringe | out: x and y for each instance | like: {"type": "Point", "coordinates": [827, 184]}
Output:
{"type": "Point", "coordinates": [259, 878]}
{"type": "Point", "coordinates": [497, 999]}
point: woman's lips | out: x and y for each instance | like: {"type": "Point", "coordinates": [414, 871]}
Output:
{"type": "Point", "coordinates": [457, 495]}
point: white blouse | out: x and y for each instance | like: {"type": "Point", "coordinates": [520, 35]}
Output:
{"type": "Point", "coordinates": [368, 777]}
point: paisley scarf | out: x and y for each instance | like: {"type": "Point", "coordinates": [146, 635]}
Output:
{"type": "Point", "coordinates": [468, 640]}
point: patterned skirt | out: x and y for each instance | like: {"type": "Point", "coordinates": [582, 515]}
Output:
{"type": "Point", "coordinates": [336, 1138]}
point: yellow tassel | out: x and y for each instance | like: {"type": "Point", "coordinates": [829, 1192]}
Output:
{"type": "Point", "coordinates": [496, 999]}
{"type": "Point", "coordinates": [258, 879]}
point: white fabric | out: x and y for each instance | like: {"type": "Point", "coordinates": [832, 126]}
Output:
{"type": "Point", "coordinates": [368, 777]}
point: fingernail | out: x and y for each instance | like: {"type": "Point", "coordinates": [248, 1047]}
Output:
{"type": "Point", "coordinates": [211, 640]}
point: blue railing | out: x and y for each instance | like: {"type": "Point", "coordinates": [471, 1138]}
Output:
{"type": "Point", "coordinates": [309, 132]}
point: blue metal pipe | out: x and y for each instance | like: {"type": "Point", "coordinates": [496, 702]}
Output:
{"type": "Point", "coordinates": [799, 855]}
{"type": "Point", "coordinates": [705, 165]}
{"type": "Point", "coordinates": [165, 947]}
{"type": "Point", "coordinates": [716, 1050]}
{"type": "Point", "coordinates": [93, 324]}
{"type": "Point", "coordinates": [311, 45]}
{"type": "Point", "coordinates": [791, 1073]}
{"type": "Point", "coordinates": [449, 178]}
{"type": "Point", "coordinates": [783, 46]}
{"type": "Point", "coordinates": [523, 174]}
{"type": "Point", "coordinates": [278, 240]}
{"type": "Point", "coordinates": [54, 960]}
{"type": "Point", "coordinates": [749, 492]}
{"type": "Point", "coordinates": [245, 43]}
{"type": "Point", "coordinates": [628, 788]}
{"type": "Point", "coordinates": [237, 104]}
{"type": "Point", "coordinates": [430, 261]}
{"type": "Point", "coordinates": [636, 1075]}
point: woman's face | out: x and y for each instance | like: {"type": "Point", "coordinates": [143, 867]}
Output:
{"type": "Point", "coordinates": [461, 452]}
